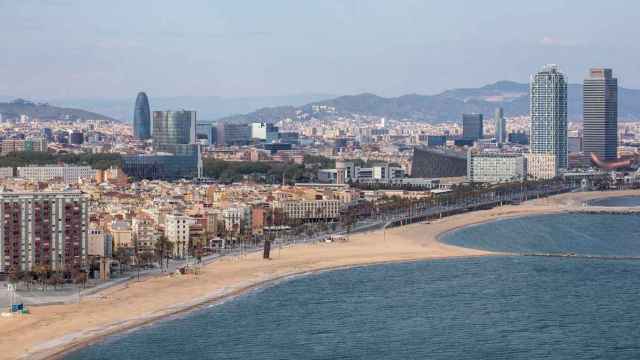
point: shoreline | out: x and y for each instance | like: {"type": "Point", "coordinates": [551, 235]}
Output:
{"type": "Point", "coordinates": [406, 244]}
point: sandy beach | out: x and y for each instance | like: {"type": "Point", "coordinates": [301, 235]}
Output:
{"type": "Point", "coordinates": [49, 331]}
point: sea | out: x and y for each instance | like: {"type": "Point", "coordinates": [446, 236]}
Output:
{"type": "Point", "coordinates": [497, 307]}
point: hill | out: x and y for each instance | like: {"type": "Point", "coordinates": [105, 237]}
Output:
{"type": "Point", "coordinates": [448, 105]}
{"type": "Point", "coordinates": [43, 111]}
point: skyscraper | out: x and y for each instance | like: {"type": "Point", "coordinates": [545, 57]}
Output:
{"type": "Point", "coordinates": [142, 118]}
{"type": "Point", "coordinates": [548, 110]}
{"type": "Point", "coordinates": [472, 126]}
{"type": "Point", "coordinates": [600, 122]}
{"type": "Point", "coordinates": [501, 126]}
{"type": "Point", "coordinates": [174, 127]}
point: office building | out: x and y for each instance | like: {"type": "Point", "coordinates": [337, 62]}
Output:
{"type": "Point", "coordinates": [142, 118]}
{"type": "Point", "coordinates": [13, 145]}
{"type": "Point", "coordinates": [432, 163]}
{"type": "Point", "coordinates": [548, 111]}
{"type": "Point", "coordinates": [233, 134]}
{"type": "Point", "coordinates": [266, 132]}
{"type": "Point", "coordinates": [472, 128]}
{"type": "Point", "coordinates": [163, 166]}
{"type": "Point", "coordinates": [43, 228]}
{"type": "Point", "coordinates": [600, 119]}
{"type": "Point", "coordinates": [492, 167]}
{"type": "Point", "coordinates": [76, 137]}
{"type": "Point", "coordinates": [173, 127]}
{"type": "Point", "coordinates": [501, 126]}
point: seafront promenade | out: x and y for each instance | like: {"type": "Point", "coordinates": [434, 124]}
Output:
{"type": "Point", "coordinates": [50, 330]}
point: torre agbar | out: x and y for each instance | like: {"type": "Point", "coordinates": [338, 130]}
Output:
{"type": "Point", "coordinates": [45, 228]}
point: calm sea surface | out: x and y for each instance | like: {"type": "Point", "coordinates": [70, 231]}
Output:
{"type": "Point", "coordinates": [618, 201]}
{"type": "Point", "coordinates": [482, 308]}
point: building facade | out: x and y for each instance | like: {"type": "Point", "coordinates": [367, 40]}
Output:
{"type": "Point", "coordinates": [48, 229]}
{"type": "Point", "coordinates": [173, 127]}
{"type": "Point", "coordinates": [600, 114]}
{"type": "Point", "coordinates": [68, 174]}
{"type": "Point", "coordinates": [142, 118]}
{"type": "Point", "coordinates": [177, 231]}
{"type": "Point", "coordinates": [548, 111]}
{"type": "Point", "coordinates": [233, 134]}
{"type": "Point", "coordinates": [472, 127]}
{"type": "Point", "coordinates": [496, 167]}
{"type": "Point", "coordinates": [542, 166]}
{"type": "Point", "coordinates": [501, 126]}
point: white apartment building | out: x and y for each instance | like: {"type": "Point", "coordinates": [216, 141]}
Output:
{"type": "Point", "coordinates": [311, 209]}
{"type": "Point", "coordinates": [144, 233]}
{"type": "Point", "coordinates": [236, 218]}
{"type": "Point", "coordinates": [68, 174]}
{"type": "Point", "coordinates": [488, 167]}
{"type": "Point", "coordinates": [177, 231]}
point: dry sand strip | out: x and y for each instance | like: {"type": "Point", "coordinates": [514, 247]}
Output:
{"type": "Point", "coordinates": [51, 331]}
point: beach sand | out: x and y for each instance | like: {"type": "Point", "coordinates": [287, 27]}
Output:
{"type": "Point", "coordinates": [49, 331]}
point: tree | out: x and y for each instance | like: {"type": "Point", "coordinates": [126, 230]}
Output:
{"type": "Point", "coordinates": [164, 247]}
{"type": "Point", "coordinates": [123, 255]}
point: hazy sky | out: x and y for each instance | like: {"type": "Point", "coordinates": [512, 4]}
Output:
{"type": "Point", "coordinates": [91, 48]}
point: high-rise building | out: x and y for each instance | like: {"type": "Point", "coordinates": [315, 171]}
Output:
{"type": "Point", "coordinates": [472, 128]}
{"type": "Point", "coordinates": [600, 123]}
{"type": "Point", "coordinates": [174, 127]}
{"type": "Point", "coordinates": [501, 126]}
{"type": "Point", "coordinates": [548, 110]}
{"type": "Point", "coordinates": [44, 228]}
{"type": "Point", "coordinates": [142, 118]}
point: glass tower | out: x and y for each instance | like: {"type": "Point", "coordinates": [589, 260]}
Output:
{"type": "Point", "coordinates": [600, 134]}
{"type": "Point", "coordinates": [174, 127]}
{"type": "Point", "coordinates": [472, 126]}
{"type": "Point", "coordinates": [548, 111]}
{"type": "Point", "coordinates": [142, 118]}
{"type": "Point", "coordinates": [501, 126]}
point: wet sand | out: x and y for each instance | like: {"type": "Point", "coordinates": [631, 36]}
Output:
{"type": "Point", "coordinates": [50, 331]}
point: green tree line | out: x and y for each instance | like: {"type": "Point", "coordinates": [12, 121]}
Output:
{"type": "Point", "coordinates": [96, 161]}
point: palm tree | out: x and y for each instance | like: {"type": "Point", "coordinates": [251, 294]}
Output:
{"type": "Point", "coordinates": [163, 248]}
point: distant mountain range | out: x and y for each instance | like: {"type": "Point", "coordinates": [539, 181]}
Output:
{"type": "Point", "coordinates": [13, 110]}
{"type": "Point", "coordinates": [448, 105]}
{"type": "Point", "coordinates": [209, 108]}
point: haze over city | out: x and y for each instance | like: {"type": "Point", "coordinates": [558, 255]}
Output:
{"type": "Point", "coordinates": [79, 49]}
{"type": "Point", "coordinates": [334, 179]}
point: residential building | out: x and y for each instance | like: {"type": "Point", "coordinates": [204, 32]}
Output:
{"type": "Point", "coordinates": [99, 242]}
{"type": "Point", "coordinates": [177, 231]}
{"type": "Point", "coordinates": [495, 167]}
{"type": "Point", "coordinates": [49, 229]}
{"type": "Point", "coordinates": [66, 173]}
{"type": "Point", "coordinates": [600, 119]}
{"type": "Point", "coordinates": [121, 234]}
{"type": "Point", "coordinates": [548, 110]}
{"type": "Point", "coordinates": [310, 210]}
{"type": "Point", "coordinates": [542, 166]}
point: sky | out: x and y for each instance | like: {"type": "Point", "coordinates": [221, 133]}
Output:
{"type": "Point", "coordinates": [241, 48]}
